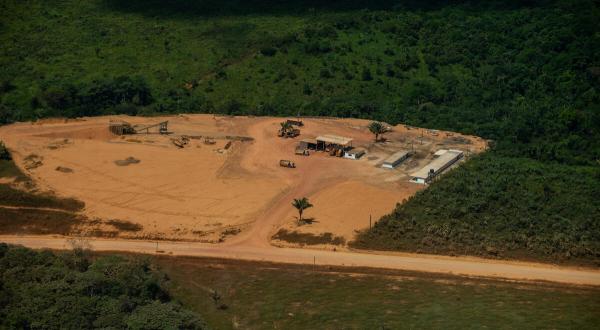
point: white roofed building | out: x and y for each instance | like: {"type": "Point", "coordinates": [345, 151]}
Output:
{"type": "Point", "coordinates": [444, 159]}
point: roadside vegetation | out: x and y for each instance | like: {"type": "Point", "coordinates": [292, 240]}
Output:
{"type": "Point", "coordinates": [349, 298]}
{"type": "Point", "coordinates": [308, 238]}
{"type": "Point", "coordinates": [524, 74]}
{"type": "Point", "coordinates": [71, 290]}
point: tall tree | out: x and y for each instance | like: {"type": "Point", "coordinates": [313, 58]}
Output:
{"type": "Point", "coordinates": [377, 128]}
{"type": "Point", "coordinates": [301, 204]}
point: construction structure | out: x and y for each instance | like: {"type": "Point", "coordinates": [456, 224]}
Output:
{"type": "Point", "coordinates": [121, 127]}
{"type": "Point", "coordinates": [443, 159]}
{"type": "Point", "coordinates": [329, 142]}
{"type": "Point", "coordinates": [308, 144]}
{"type": "Point", "coordinates": [162, 128]}
{"type": "Point", "coordinates": [395, 159]}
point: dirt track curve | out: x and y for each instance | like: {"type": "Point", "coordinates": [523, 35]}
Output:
{"type": "Point", "coordinates": [422, 263]}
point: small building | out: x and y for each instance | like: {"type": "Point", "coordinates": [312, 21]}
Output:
{"type": "Point", "coordinates": [328, 142]}
{"type": "Point", "coordinates": [395, 159]}
{"type": "Point", "coordinates": [445, 158]}
{"type": "Point", "coordinates": [354, 153]}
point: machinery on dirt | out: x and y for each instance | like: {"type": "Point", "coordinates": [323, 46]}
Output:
{"type": "Point", "coordinates": [298, 122]}
{"type": "Point", "coordinates": [180, 142]}
{"type": "Point", "coordinates": [287, 130]}
{"type": "Point", "coordinates": [288, 133]}
{"type": "Point", "coordinates": [287, 163]}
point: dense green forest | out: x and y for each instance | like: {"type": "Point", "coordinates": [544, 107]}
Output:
{"type": "Point", "coordinates": [43, 290]}
{"type": "Point", "coordinates": [524, 74]}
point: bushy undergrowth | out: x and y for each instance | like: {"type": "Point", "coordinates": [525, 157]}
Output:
{"type": "Point", "coordinates": [43, 290]}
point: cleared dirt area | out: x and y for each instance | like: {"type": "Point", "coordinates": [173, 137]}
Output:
{"type": "Point", "coordinates": [233, 190]}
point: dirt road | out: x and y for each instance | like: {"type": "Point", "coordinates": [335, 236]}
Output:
{"type": "Point", "coordinates": [422, 263]}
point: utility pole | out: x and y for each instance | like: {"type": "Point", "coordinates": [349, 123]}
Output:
{"type": "Point", "coordinates": [369, 221]}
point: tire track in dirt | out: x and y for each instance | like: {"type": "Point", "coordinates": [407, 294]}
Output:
{"type": "Point", "coordinates": [121, 181]}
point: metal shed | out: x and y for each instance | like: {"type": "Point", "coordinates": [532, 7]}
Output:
{"type": "Point", "coordinates": [324, 141]}
{"type": "Point", "coordinates": [436, 166]}
{"type": "Point", "coordinates": [395, 159]}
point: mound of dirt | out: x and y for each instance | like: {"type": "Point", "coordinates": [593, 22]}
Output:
{"type": "Point", "coordinates": [32, 161]}
{"type": "Point", "coordinates": [64, 169]}
{"type": "Point", "coordinates": [127, 161]}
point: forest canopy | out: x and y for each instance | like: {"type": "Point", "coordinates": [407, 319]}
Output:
{"type": "Point", "coordinates": [44, 290]}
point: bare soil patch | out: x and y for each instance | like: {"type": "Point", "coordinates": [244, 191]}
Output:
{"type": "Point", "coordinates": [226, 176]}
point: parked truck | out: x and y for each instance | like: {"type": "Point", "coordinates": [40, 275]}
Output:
{"type": "Point", "coordinates": [287, 163]}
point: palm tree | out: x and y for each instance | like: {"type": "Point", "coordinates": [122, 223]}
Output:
{"type": "Point", "coordinates": [377, 128]}
{"type": "Point", "coordinates": [301, 204]}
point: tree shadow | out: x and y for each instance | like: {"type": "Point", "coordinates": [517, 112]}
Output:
{"type": "Point", "coordinates": [306, 221]}
{"type": "Point", "coordinates": [186, 9]}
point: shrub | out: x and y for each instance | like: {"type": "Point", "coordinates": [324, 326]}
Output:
{"type": "Point", "coordinates": [268, 51]}
{"type": "Point", "coordinates": [366, 74]}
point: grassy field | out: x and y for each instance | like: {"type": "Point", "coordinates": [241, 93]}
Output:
{"type": "Point", "coordinates": [272, 296]}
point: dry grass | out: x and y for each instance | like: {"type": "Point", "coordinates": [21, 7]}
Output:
{"type": "Point", "coordinates": [37, 222]}
{"type": "Point", "coordinates": [15, 197]}
{"type": "Point", "coordinates": [123, 225]}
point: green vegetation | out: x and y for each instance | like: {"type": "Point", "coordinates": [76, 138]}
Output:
{"type": "Point", "coordinates": [377, 129]}
{"type": "Point", "coordinates": [349, 298]}
{"type": "Point", "coordinates": [308, 238]}
{"type": "Point", "coordinates": [4, 154]}
{"type": "Point", "coordinates": [523, 73]}
{"type": "Point", "coordinates": [43, 290]}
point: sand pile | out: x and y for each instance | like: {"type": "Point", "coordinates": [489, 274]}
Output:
{"type": "Point", "coordinates": [127, 161]}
